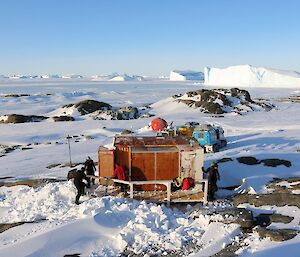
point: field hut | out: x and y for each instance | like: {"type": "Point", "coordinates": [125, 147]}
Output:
{"type": "Point", "coordinates": [152, 158]}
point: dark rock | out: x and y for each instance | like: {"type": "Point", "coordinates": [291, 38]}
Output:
{"type": "Point", "coordinates": [16, 95]}
{"type": "Point", "coordinates": [265, 219]}
{"type": "Point", "coordinates": [278, 198]}
{"type": "Point", "coordinates": [277, 235]}
{"type": "Point", "coordinates": [126, 131]}
{"type": "Point", "coordinates": [189, 103]}
{"type": "Point", "coordinates": [213, 108]}
{"type": "Point", "coordinates": [18, 118]}
{"type": "Point", "coordinates": [237, 92]}
{"type": "Point", "coordinates": [128, 113]}
{"type": "Point", "coordinates": [124, 113]}
{"type": "Point", "coordinates": [89, 106]}
{"type": "Point", "coordinates": [6, 177]}
{"type": "Point", "coordinates": [224, 160]}
{"type": "Point", "coordinates": [240, 216]}
{"type": "Point", "coordinates": [147, 115]}
{"type": "Point", "coordinates": [26, 148]}
{"type": "Point", "coordinates": [4, 149]}
{"type": "Point", "coordinates": [6, 226]}
{"type": "Point", "coordinates": [249, 160]}
{"type": "Point", "coordinates": [63, 118]}
{"type": "Point", "coordinates": [53, 165]}
{"type": "Point", "coordinates": [276, 162]}
{"type": "Point", "coordinates": [279, 218]}
{"type": "Point", "coordinates": [283, 189]}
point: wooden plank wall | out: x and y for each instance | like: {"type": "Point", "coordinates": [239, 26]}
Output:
{"type": "Point", "coordinates": [167, 167]}
{"type": "Point", "coordinates": [106, 163]}
{"type": "Point", "coordinates": [142, 166]}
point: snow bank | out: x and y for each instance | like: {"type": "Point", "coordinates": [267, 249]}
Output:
{"type": "Point", "coordinates": [136, 226]}
{"type": "Point", "coordinates": [179, 75]}
{"type": "Point", "coordinates": [247, 75]}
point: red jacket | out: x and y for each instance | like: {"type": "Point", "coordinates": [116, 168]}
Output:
{"type": "Point", "coordinates": [119, 173]}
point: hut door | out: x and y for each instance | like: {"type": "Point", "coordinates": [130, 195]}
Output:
{"type": "Point", "coordinates": [187, 160]}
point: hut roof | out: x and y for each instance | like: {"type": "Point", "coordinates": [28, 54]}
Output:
{"type": "Point", "coordinates": [148, 141]}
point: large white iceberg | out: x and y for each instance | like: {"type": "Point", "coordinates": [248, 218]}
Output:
{"type": "Point", "coordinates": [247, 75]}
{"type": "Point", "coordinates": [179, 75]}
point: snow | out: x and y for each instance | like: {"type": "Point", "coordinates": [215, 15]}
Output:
{"type": "Point", "coordinates": [250, 76]}
{"type": "Point", "coordinates": [105, 226]}
{"type": "Point", "coordinates": [183, 75]}
{"type": "Point", "coordinates": [91, 227]}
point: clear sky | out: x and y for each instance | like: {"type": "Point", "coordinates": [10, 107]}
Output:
{"type": "Point", "coordinates": [146, 37]}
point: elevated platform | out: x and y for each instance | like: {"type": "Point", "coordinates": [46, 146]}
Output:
{"type": "Point", "coordinates": [196, 194]}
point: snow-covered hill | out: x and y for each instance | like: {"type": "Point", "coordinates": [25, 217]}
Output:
{"type": "Point", "coordinates": [247, 75]}
{"type": "Point", "coordinates": [183, 75]}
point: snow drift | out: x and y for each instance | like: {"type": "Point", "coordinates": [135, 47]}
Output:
{"type": "Point", "coordinates": [177, 75]}
{"type": "Point", "coordinates": [247, 75]}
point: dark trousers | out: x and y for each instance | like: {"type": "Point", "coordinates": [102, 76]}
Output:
{"type": "Point", "coordinates": [212, 188]}
{"type": "Point", "coordinates": [80, 191]}
{"type": "Point", "coordinates": [90, 179]}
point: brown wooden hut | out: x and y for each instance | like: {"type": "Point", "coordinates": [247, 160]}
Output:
{"type": "Point", "coordinates": [153, 158]}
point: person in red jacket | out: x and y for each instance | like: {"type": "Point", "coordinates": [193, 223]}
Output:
{"type": "Point", "coordinates": [119, 173]}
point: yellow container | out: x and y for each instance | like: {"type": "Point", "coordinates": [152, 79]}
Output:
{"type": "Point", "coordinates": [185, 131]}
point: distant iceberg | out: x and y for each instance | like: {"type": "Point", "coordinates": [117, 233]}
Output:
{"type": "Point", "coordinates": [126, 77]}
{"type": "Point", "coordinates": [250, 76]}
{"type": "Point", "coordinates": [183, 75]}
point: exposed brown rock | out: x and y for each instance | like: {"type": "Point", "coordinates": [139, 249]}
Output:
{"type": "Point", "coordinates": [276, 198]}
{"type": "Point", "coordinates": [18, 118]}
{"type": "Point", "coordinates": [277, 235]}
{"type": "Point", "coordinates": [63, 118]}
{"type": "Point", "coordinates": [89, 106]}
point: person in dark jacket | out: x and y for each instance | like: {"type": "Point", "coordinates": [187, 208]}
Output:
{"type": "Point", "coordinates": [90, 170]}
{"type": "Point", "coordinates": [212, 176]}
{"type": "Point", "coordinates": [119, 173]}
{"type": "Point", "coordinates": [79, 184]}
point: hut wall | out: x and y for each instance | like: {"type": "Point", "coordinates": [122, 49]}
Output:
{"type": "Point", "coordinates": [105, 162]}
{"type": "Point", "coordinates": [143, 167]}
{"type": "Point", "coordinates": [154, 166]}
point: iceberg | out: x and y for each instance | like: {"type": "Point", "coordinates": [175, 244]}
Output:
{"type": "Point", "coordinates": [250, 76]}
{"type": "Point", "coordinates": [177, 75]}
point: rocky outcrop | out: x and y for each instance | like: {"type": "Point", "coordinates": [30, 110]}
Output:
{"type": "Point", "coordinates": [248, 160]}
{"type": "Point", "coordinates": [220, 101]}
{"type": "Point", "coordinates": [124, 113]}
{"type": "Point", "coordinates": [88, 106]}
{"type": "Point", "coordinates": [274, 162]}
{"type": "Point", "coordinates": [19, 118]}
{"type": "Point", "coordinates": [265, 219]}
{"type": "Point", "coordinates": [5, 149]}
{"type": "Point", "coordinates": [278, 198]}
{"type": "Point", "coordinates": [277, 235]}
{"type": "Point", "coordinates": [63, 118]}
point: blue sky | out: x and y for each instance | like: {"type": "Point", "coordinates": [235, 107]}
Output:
{"type": "Point", "coordinates": [147, 37]}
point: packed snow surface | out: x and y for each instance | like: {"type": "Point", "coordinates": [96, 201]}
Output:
{"type": "Point", "coordinates": [250, 76]}
{"type": "Point", "coordinates": [99, 226]}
